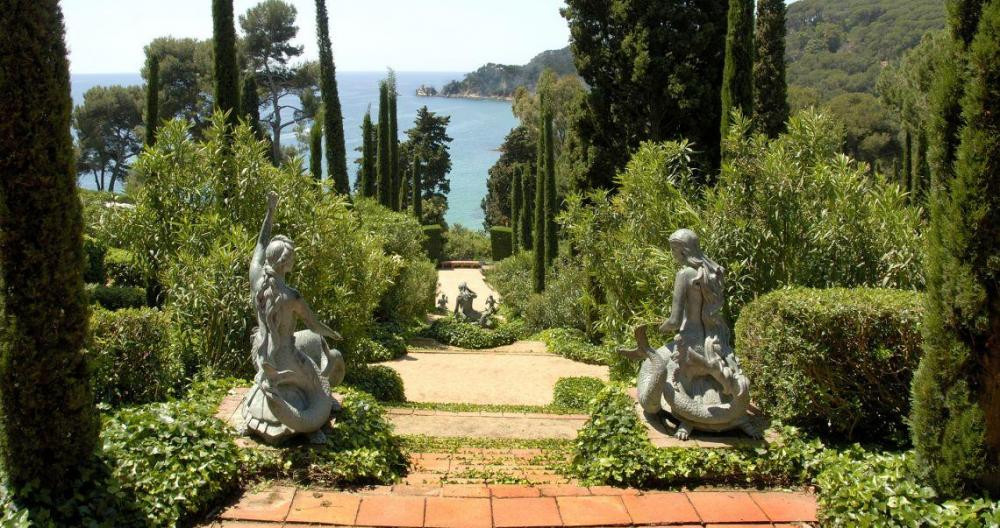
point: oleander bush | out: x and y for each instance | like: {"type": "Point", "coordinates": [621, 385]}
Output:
{"type": "Point", "coordinates": [576, 393]}
{"type": "Point", "coordinates": [132, 361]}
{"type": "Point", "coordinates": [462, 243]}
{"type": "Point", "coordinates": [116, 297]}
{"type": "Point", "coordinates": [451, 331]}
{"type": "Point", "coordinates": [834, 362]}
{"type": "Point", "coordinates": [383, 383]}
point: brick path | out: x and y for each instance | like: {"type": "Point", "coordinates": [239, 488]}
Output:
{"type": "Point", "coordinates": [502, 506]}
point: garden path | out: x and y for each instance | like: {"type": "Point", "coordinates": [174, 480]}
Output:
{"type": "Point", "coordinates": [449, 279]}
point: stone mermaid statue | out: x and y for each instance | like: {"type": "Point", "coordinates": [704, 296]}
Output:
{"type": "Point", "coordinates": [295, 370]}
{"type": "Point", "coordinates": [696, 377]}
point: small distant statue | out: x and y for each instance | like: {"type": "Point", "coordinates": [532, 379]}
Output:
{"type": "Point", "coordinates": [463, 305]}
{"type": "Point", "coordinates": [443, 303]}
{"type": "Point", "coordinates": [295, 370]}
{"type": "Point", "coordinates": [486, 319]}
{"type": "Point", "coordinates": [696, 377]}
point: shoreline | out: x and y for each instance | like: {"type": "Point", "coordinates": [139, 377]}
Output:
{"type": "Point", "coordinates": [472, 97]}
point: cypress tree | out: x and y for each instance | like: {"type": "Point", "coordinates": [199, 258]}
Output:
{"type": "Point", "coordinates": [918, 157]}
{"type": "Point", "coordinates": [48, 425]}
{"type": "Point", "coordinates": [316, 149]}
{"type": "Point", "coordinates": [539, 246]}
{"type": "Point", "coordinates": [904, 181]}
{"type": "Point", "coordinates": [551, 191]}
{"type": "Point", "coordinates": [955, 417]}
{"type": "Point", "coordinates": [333, 117]}
{"type": "Point", "coordinates": [384, 166]}
{"type": "Point", "coordinates": [770, 89]}
{"type": "Point", "coordinates": [250, 105]}
{"type": "Point", "coordinates": [368, 139]}
{"type": "Point", "coordinates": [515, 208]}
{"type": "Point", "coordinates": [152, 100]}
{"type": "Point", "coordinates": [527, 209]}
{"type": "Point", "coordinates": [737, 76]}
{"type": "Point", "coordinates": [417, 191]}
{"type": "Point", "coordinates": [227, 75]}
{"type": "Point", "coordinates": [394, 169]}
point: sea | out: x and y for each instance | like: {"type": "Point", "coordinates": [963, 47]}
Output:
{"type": "Point", "coordinates": [478, 127]}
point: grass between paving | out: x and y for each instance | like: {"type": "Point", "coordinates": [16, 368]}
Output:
{"type": "Point", "coordinates": [438, 444]}
{"type": "Point", "coordinates": [491, 408]}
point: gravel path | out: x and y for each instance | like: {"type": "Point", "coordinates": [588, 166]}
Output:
{"type": "Point", "coordinates": [449, 279]}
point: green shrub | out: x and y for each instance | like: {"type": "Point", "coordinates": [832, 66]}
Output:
{"type": "Point", "coordinates": [571, 343]}
{"type": "Point", "coordinates": [386, 343]}
{"type": "Point", "coordinates": [116, 297]}
{"type": "Point", "coordinates": [94, 252]}
{"type": "Point", "coordinates": [122, 269]}
{"type": "Point", "coordinates": [461, 243]}
{"type": "Point", "coordinates": [576, 393]}
{"type": "Point", "coordinates": [559, 306]}
{"type": "Point", "coordinates": [501, 243]}
{"type": "Point", "coordinates": [131, 357]}
{"type": "Point", "coordinates": [834, 362]}
{"type": "Point", "coordinates": [451, 331]}
{"type": "Point", "coordinates": [434, 242]}
{"type": "Point", "coordinates": [383, 383]}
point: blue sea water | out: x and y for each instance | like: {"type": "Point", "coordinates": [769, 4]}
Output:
{"type": "Point", "coordinates": [478, 127]}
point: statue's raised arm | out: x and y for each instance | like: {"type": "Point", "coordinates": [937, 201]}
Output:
{"type": "Point", "coordinates": [260, 251]}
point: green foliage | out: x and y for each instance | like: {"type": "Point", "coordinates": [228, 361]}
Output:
{"type": "Point", "coordinates": [131, 358]}
{"type": "Point", "coordinates": [834, 362]}
{"type": "Point", "coordinates": [434, 242]}
{"type": "Point", "coordinates": [226, 72]}
{"type": "Point", "coordinates": [956, 407]}
{"type": "Point", "coordinates": [516, 203]}
{"type": "Point", "coordinates": [453, 332]}
{"type": "Point", "coordinates": [870, 130]}
{"type": "Point", "coordinates": [737, 74]}
{"type": "Point", "coordinates": [383, 383]}
{"type": "Point", "coordinates": [552, 201]}
{"type": "Point", "coordinates": [186, 77]}
{"type": "Point", "coordinates": [416, 190]}
{"type": "Point", "coordinates": [394, 167]}
{"type": "Point", "coordinates": [316, 150]}
{"type": "Point", "coordinates": [152, 118]}
{"type": "Point", "coordinates": [250, 104]}
{"type": "Point", "coordinates": [94, 250]}
{"type": "Point", "coordinates": [384, 167]}
{"type": "Point", "coordinates": [122, 269]}
{"type": "Point", "coordinates": [108, 128]}
{"type": "Point", "coordinates": [516, 153]}
{"type": "Point", "coordinates": [501, 243]}
{"type": "Point", "coordinates": [576, 393]}
{"type": "Point", "coordinates": [386, 342]}
{"type": "Point", "coordinates": [573, 344]}
{"type": "Point", "coordinates": [428, 141]}
{"type": "Point", "coordinates": [770, 88]}
{"type": "Point", "coordinates": [503, 80]}
{"type": "Point", "coordinates": [48, 428]}
{"type": "Point", "coordinates": [558, 306]}
{"type": "Point", "coordinates": [369, 141]}
{"type": "Point", "coordinates": [333, 117]}
{"type": "Point", "coordinates": [116, 297]}
{"type": "Point", "coordinates": [461, 243]}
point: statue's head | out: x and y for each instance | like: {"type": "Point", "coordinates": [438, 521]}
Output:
{"type": "Point", "coordinates": [685, 247]}
{"type": "Point", "coordinates": [462, 286]}
{"type": "Point", "coordinates": [280, 255]}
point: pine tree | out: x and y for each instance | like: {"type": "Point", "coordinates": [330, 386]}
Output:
{"type": "Point", "coordinates": [384, 165]}
{"type": "Point", "coordinates": [316, 149]}
{"type": "Point", "coordinates": [515, 209]}
{"type": "Point", "coordinates": [333, 117]}
{"type": "Point", "coordinates": [394, 169]}
{"type": "Point", "coordinates": [368, 141]}
{"type": "Point", "coordinates": [539, 247]}
{"type": "Point", "coordinates": [250, 105]}
{"type": "Point", "coordinates": [48, 424]}
{"type": "Point", "coordinates": [416, 189]}
{"type": "Point", "coordinates": [227, 74]}
{"type": "Point", "coordinates": [737, 76]}
{"type": "Point", "coordinates": [527, 209]}
{"type": "Point", "coordinates": [152, 100]}
{"type": "Point", "coordinates": [955, 417]}
{"type": "Point", "coordinates": [770, 89]}
{"type": "Point", "coordinates": [551, 191]}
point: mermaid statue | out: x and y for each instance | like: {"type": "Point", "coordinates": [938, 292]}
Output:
{"type": "Point", "coordinates": [696, 377]}
{"type": "Point", "coordinates": [295, 370]}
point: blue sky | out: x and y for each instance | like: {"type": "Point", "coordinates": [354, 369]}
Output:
{"type": "Point", "coordinates": [107, 36]}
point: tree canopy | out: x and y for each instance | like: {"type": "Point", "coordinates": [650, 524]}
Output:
{"type": "Point", "coordinates": [109, 132]}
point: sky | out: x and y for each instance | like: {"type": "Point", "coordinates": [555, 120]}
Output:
{"type": "Point", "coordinates": [107, 36]}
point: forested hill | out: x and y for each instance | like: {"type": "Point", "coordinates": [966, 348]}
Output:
{"type": "Point", "coordinates": [501, 80]}
{"type": "Point", "coordinates": [838, 46]}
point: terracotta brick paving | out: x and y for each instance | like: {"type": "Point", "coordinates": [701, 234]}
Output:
{"type": "Point", "coordinates": [510, 506]}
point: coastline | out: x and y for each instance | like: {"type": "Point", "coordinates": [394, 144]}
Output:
{"type": "Point", "coordinates": [508, 99]}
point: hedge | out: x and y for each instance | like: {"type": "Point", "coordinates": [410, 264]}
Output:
{"type": "Point", "coordinates": [380, 381]}
{"type": "Point", "coordinates": [131, 357]}
{"type": "Point", "coordinates": [116, 297]}
{"type": "Point", "coordinates": [122, 270]}
{"type": "Point", "coordinates": [501, 243]}
{"type": "Point", "coordinates": [434, 242]}
{"type": "Point", "coordinates": [835, 362]}
{"type": "Point", "coordinates": [94, 252]}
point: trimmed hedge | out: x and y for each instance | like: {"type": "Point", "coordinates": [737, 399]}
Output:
{"type": "Point", "coordinates": [576, 393]}
{"type": "Point", "coordinates": [131, 357]}
{"type": "Point", "coordinates": [835, 362]}
{"type": "Point", "coordinates": [116, 297]}
{"type": "Point", "coordinates": [451, 331]}
{"type": "Point", "coordinates": [122, 270]}
{"type": "Point", "coordinates": [501, 243]}
{"type": "Point", "coordinates": [380, 381]}
{"type": "Point", "coordinates": [434, 242]}
{"type": "Point", "coordinates": [94, 252]}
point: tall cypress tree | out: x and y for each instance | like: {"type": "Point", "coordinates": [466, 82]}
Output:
{"type": "Point", "coordinates": [527, 209]}
{"type": "Point", "coordinates": [515, 208]}
{"type": "Point", "coordinates": [227, 74]}
{"type": "Point", "coordinates": [737, 76]}
{"type": "Point", "coordinates": [384, 165]}
{"type": "Point", "coordinates": [956, 390]}
{"type": "Point", "coordinates": [316, 149]}
{"type": "Point", "coordinates": [551, 192]}
{"type": "Point", "coordinates": [368, 140]}
{"type": "Point", "coordinates": [918, 159]}
{"type": "Point", "coordinates": [539, 246]}
{"type": "Point", "coordinates": [394, 169]}
{"type": "Point", "coordinates": [48, 425]}
{"type": "Point", "coordinates": [904, 180]}
{"type": "Point", "coordinates": [416, 189]}
{"type": "Point", "coordinates": [333, 117]}
{"type": "Point", "coordinates": [152, 100]}
{"type": "Point", "coordinates": [250, 104]}
{"type": "Point", "coordinates": [770, 88]}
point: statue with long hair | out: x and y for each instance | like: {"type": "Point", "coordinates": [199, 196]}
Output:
{"type": "Point", "coordinates": [295, 370]}
{"type": "Point", "coordinates": [696, 377]}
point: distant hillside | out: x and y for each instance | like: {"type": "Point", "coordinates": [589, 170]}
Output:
{"type": "Point", "coordinates": [838, 46]}
{"type": "Point", "coordinates": [501, 80]}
